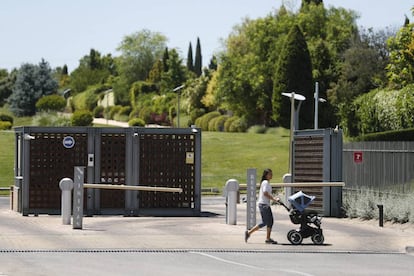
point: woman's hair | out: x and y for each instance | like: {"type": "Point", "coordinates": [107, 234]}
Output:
{"type": "Point", "coordinates": [265, 173]}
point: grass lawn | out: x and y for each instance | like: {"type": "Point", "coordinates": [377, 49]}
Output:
{"type": "Point", "coordinates": [229, 155]}
{"type": "Point", "coordinates": [224, 156]}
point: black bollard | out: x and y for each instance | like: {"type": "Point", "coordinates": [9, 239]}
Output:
{"type": "Point", "coordinates": [381, 214]}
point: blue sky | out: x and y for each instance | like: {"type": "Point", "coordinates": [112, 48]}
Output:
{"type": "Point", "coordinates": [62, 32]}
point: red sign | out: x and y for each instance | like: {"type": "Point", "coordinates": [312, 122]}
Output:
{"type": "Point", "coordinates": [357, 156]}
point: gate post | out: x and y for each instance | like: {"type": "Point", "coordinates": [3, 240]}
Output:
{"type": "Point", "coordinates": [66, 185]}
{"type": "Point", "coordinates": [78, 197]}
{"type": "Point", "coordinates": [231, 189]}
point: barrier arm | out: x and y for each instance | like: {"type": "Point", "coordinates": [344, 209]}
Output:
{"type": "Point", "coordinates": [300, 184]}
{"type": "Point", "coordinates": [135, 188]}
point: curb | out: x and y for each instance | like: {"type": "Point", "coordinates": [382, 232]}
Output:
{"type": "Point", "coordinates": [409, 250]}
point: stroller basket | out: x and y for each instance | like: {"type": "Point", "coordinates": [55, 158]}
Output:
{"type": "Point", "coordinates": [300, 200]}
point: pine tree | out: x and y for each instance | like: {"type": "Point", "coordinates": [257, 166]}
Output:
{"type": "Point", "coordinates": [32, 82]}
{"type": "Point", "coordinates": [190, 65]}
{"type": "Point", "coordinates": [293, 74]}
{"type": "Point", "coordinates": [198, 59]}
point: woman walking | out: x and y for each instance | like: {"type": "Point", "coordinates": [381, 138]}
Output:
{"type": "Point", "coordinates": [265, 196]}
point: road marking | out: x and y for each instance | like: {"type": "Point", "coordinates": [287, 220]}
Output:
{"type": "Point", "coordinates": [250, 266]}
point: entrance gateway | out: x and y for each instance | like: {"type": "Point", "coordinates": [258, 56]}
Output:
{"type": "Point", "coordinates": [158, 157]}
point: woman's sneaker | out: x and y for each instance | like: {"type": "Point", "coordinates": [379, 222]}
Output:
{"type": "Point", "coordinates": [270, 241]}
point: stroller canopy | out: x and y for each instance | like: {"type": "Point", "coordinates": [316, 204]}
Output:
{"type": "Point", "coordinates": [300, 200]}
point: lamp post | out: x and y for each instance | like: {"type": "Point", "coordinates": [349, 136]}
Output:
{"type": "Point", "coordinates": [294, 116]}
{"type": "Point", "coordinates": [317, 100]}
{"type": "Point", "coordinates": [177, 89]}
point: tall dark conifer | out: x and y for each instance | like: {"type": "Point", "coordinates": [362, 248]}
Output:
{"type": "Point", "coordinates": [198, 59]}
{"type": "Point", "coordinates": [190, 64]}
{"type": "Point", "coordinates": [165, 58]}
{"type": "Point", "coordinates": [293, 74]}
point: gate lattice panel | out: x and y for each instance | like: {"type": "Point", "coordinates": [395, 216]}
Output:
{"type": "Point", "coordinates": [165, 162]}
{"type": "Point", "coordinates": [50, 161]}
{"type": "Point", "coordinates": [112, 169]}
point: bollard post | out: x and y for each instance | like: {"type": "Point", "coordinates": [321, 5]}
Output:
{"type": "Point", "coordinates": [231, 189]}
{"type": "Point", "coordinates": [381, 214]}
{"type": "Point", "coordinates": [66, 185]}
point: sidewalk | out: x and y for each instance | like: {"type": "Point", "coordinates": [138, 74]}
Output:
{"type": "Point", "coordinates": [207, 232]}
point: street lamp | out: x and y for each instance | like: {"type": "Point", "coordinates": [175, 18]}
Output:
{"type": "Point", "coordinates": [294, 116]}
{"type": "Point", "coordinates": [317, 100]}
{"type": "Point", "coordinates": [177, 89]}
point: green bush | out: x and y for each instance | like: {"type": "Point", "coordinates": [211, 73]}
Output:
{"type": "Point", "coordinates": [114, 110]}
{"type": "Point", "coordinates": [98, 112]}
{"type": "Point", "coordinates": [139, 88]}
{"type": "Point", "coordinates": [217, 123]}
{"type": "Point", "coordinates": [6, 118]}
{"type": "Point", "coordinates": [51, 103]}
{"type": "Point", "coordinates": [82, 118]}
{"type": "Point", "coordinates": [125, 110]}
{"type": "Point", "coordinates": [229, 122]}
{"type": "Point", "coordinates": [136, 122]}
{"type": "Point", "coordinates": [238, 125]}
{"type": "Point", "coordinates": [4, 125]}
{"type": "Point", "coordinates": [393, 135]}
{"type": "Point", "coordinates": [145, 114]}
{"type": "Point", "coordinates": [196, 113]}
{"type": "Point", "coordinates": [204, 120]}
{"type": "Point", "coordinates": [48, 119]}
{"type": "Point", "coordinates": [383, 110]}
{"type": "Point", "coordinates": [257, 129]}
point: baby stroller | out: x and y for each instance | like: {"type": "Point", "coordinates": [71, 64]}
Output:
{"type": "Point", "coordinates": [306, 218]}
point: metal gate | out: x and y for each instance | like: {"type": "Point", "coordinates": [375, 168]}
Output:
{"type": "Point", "coordinates": [161, 157]}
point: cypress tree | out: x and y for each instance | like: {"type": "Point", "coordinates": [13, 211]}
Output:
{"type": "Point", "coordinates": [190, 65]}
{"type": "Point", "coordinates": [198, 59]}
{"type": "Point", "coordinates": [293, 74]}
{"type": "Point", "coordinates": [165, 58]}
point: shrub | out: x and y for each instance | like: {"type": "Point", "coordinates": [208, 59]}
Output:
{"type": "Point", "coordinates": [141, 87]}
{"type": "Point", "coordinates": [47, 119]}
{"type": "Point", "coordinates": [136, 122]}
{"type": "Point", "coordinates": [257, 129]}
{"type": "Point", "coordinates": [114, 110]}
{"type": "Point", "coordinates": [196, 113]}
{"type": "Point", "coordinates": [82, 118]}
{"type": "Point", "coordinates": [217, 123]}
{"type": "Point", "coordinates": [204, 120]}
{"type": "Point", "coordinates": [238, 125]}
{"type": "Point", "coordinates": [392, 135]}
{"type": "Point", "coordinates": [98, 112]}
{"type": "Point", "coordinates": [229, 122]}
{"type": "Point", "coordinates": [51, 103]}
{"type": "Point", "coordinates": [5, 125]}
{"type": "Point", "coordinates": [235, 124]}
{"type": "Point", "coordinates": [6, 118]}
{"type": "Point", "coordinates": [125, 110]}
{"type": "Point", "coordinates": [145, 114]}
{"type": "Point", "coordinates": [362, 203]}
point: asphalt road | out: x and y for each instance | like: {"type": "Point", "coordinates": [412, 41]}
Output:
{"type": "Point", "coordinates": [116, 245]}
{"type": "Point", "coordinates": [199, 262]}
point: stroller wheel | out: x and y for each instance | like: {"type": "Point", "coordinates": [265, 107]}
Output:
{"type": "Point", "coordinates": [294, 237]}
{"type": "Point", "coordinates": [318, 238]}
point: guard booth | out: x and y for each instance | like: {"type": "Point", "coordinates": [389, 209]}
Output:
{"type": "Point", "coordinates": [158, 157]}
{"type": "Point", "coordinates": [317, 157]}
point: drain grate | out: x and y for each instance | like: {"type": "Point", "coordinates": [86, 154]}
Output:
{"type": "Point", "coordinates": [205, 250]}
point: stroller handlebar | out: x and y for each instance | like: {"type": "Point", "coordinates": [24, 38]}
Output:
{"type": "Point", "coordinates": [279, 202]}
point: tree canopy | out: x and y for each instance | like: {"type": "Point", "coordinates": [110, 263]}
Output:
{"type": "Point", "coordinates": [32, 82]}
